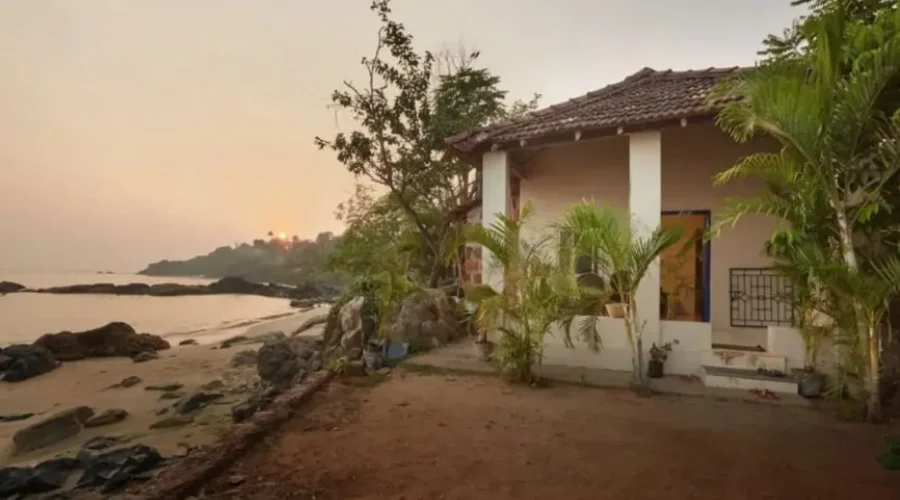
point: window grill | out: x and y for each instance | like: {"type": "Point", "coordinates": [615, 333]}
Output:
{"type": "Point", "coordinates": [760, 297]}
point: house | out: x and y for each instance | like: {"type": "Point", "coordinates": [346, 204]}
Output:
{"type": "Point", "coordinates": [649, 145]}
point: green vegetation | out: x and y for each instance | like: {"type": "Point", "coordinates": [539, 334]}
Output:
{"type": "Point", "coordinates": [408, 104]}
{"type": "Point", "coordinates": [832, 101]}
{"type": "Point", "coordinates": [610, 239]}
{"type": "Point", "coordinates": [280, 260]}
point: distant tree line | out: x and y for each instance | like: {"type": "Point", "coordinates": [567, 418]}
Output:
{"type": "Point", "coordinates": [291, 261]}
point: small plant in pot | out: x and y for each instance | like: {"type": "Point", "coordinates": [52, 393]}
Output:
{"type": "Point", "coordinates": [658, 357]}
{"type": "Point", "coordinates": [815, 329]}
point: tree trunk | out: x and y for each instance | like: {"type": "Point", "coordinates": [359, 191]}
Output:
{"type": "Point", "coordinates": [872, 381]}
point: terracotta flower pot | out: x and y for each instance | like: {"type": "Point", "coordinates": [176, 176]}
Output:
{"type": "Point", "coordinates": [616, 310]}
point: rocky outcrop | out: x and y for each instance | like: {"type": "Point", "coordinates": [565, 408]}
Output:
{"type": "Point", "coordinates": [278, 364]}
{"type": "Point", "coordinates": [224, 286]}
{"type": "Point", "coordinates": [10, 287]}
{"type": "Point", "coordinates": [52, 430]}
{"type": "Point", "coordinates": [114, 339]}
{"type": "Point", "coordinates": [114, 469]}
{"type": "Point", "coordinates": [16, 482]}
{"type": "Point", "coordinates": [21, 362]}
{"type": "Point", "coordinates": [426, 319]}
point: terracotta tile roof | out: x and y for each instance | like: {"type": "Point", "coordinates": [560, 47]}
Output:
{"type": "Point", "coordinates": [644, 98]}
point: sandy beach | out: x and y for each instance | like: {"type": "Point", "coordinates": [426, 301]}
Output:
{"type": "Point", "coordinates": [89, 383]}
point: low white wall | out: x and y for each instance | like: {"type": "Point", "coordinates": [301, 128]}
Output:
{"type": "Point", "coordinates": [787, 342]}
{"type": "Point", "coordinates": [694, 339]}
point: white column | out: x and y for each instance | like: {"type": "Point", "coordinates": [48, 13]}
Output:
{"type": "Point", "coordinates": [494, 202]}
{"type": "Point", "coordinates": [645, 205]}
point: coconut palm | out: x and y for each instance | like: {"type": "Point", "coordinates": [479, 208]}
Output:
{"type": "Point", "coordinates": [622, 256]}
{"type": "Point", "coordinates": [834, 111]}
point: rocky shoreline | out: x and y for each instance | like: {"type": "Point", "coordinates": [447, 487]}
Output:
{"type": "Point", "coordinates": [225, 286]}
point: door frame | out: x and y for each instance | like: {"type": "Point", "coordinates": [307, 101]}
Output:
{"type": "Point", "coordinates": [707, 256]}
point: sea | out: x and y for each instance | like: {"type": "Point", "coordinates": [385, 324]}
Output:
{"type": "Point", "coordinates": [26, 316]}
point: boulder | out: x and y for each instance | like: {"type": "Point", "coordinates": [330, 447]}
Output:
{"type": "Point", "coordinates": [45, 476]}
{"type": "Point", "coordinates": [213, 385]}
{"type": "Point", "coordinates": [130, 381]}
{"type": "Point", "coordinates": [172, 395]}
{"type": "Point", "coordinates": [14, 417]}
{"type": "Point", "coordinates": [145, 356]}
{"type": "Point", "coordinates": [114, 469]}
{"type": "Point", "coordinates": [10, 287]}
{"type": "Point", "coordinates": [94, 447]}
{"type": "Point", "coordinates": [21, 362]}
{"type": "Point", "coordinates": [352, 335]}
{"type": "Point", "coordinates": [188, 342]}
{"type": "Point", "coordinates": [426, 318]}
{"type": "Point", "coordinates": [244, 358]}
{"type": "Point", "coordinates": [242, 411]}
{"type": "Point", "coordinates": [278, 364]}
{"type": "Point", "coordinates": [113, 339]}
{"type": "Point", "coordinates": [107, 417]}
{"type": "Point", "coordinates": [196, 401]}
{"type": "Point", "coordinates": [52, 430]}
{"type": "Point", "coordinates": [233, 341]}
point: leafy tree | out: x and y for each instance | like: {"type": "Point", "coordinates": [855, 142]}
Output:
{"type": "Point", "coordinates": [834, 107]}
{"type": "Point", "coordinates": [403, 112]}
{"type": "Point", "coordinates": [622, 256]}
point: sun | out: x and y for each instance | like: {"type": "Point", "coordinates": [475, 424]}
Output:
{"type": "Point", "coordinates": [281, 236]}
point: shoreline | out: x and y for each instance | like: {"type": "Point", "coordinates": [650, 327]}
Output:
{"type": "Point", "coordinates": [93, 383]}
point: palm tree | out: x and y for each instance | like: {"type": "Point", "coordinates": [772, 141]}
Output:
{"type": "Point", "coordinates": [835, 110]}
{"type": "Point", "coordinates": [531, 301]}
{"type": "Point", "coordinates": [622, 256]}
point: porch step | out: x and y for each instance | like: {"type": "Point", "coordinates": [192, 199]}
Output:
{"type": "Point", "coordinates": [737, 378]}
{"type": "Point", "coordinates": [744, 360]}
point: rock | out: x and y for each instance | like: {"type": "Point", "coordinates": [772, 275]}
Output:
{"type": "Point", "coordinates": [386, 370]}
{"type": "Point", "coordinates": [46, 476]}
{"type": "Point", "coordinates": [425, 318]}
{"type": "Point", "coordinates": [10, 287]}
{"type": "Point", "coordinates": [242, 411]}
{"type": "Point", "coordinates": [309, 323]}
{"type": "Point", "coordinates": [15, 417]}
{"type": "Point", "coordinates": [172, 395]}
{"type": "Point", "coordinates": [353, 354]}
{"type": "Point", "coordinates": [52, 430]}
{"type": "Point", "coordinates": [21, 362]}
{"type": "Point", "coordinates": [188, 342]}
{"type": "Point", "coordinates": [107, 417]}
{"type": "Point", "coordinates": [113, 339]}
{"type": "Point", "coordinates": [93, 447]}
{"type": "Point", "coordinates": [352, 335]}
{"type": "Point", "coordinates": [269, 338]}
{"type": "Point", "coordinates": [162, 411]}
{"type": "Point", "coordinates": [315, 361]}
{"type": "Point", "coordinates": [244, 358]}
{"type": "Point", "coordinates": [171, 386]}
{"type": "Point", "coordinates": [114, 469]}
{"type": "Point", "coordinates": [278, 364]}
{"type": "Point", "coordinates": [233, 341]}
{"type": "Point", "coordinates": [213, 385]}
{"type": "Point", "coordinates": [131, 381]}
{"type": "Point", "coordinates": [173, 421]}
{"type": "Point", "coordinates": [197, 401]}
{"type": "Point", "coordinates": [142, 357]}
{"type": "Point", "coordinates": [236, 480]}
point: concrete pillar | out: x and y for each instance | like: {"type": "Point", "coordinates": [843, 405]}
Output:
{"type": "Point", "coordinates": [494, 201]}
{"type": "Point", "coordinates": [645, 206]}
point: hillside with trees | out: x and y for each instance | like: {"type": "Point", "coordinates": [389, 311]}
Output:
{"type": "Point", "coordinates": [277, 259]}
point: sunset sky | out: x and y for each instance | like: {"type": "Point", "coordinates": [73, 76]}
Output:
{"type": "Point", "coordinates": [132, 131]}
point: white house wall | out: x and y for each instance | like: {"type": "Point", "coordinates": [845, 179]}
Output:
{"type": "Point", "coordinates": [560, 176]}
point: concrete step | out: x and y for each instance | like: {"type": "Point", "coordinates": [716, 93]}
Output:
{"type": "Point", "coordinates": [737, 378]}
{"type": "Point", "coordinates": [744, 360]}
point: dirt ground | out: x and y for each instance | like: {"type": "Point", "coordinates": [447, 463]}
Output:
{"type": "Point", "coordinates": [437, 436]}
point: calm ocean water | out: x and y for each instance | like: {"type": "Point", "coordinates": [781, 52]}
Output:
{"type": "Point", "coordinates": [25, 316]}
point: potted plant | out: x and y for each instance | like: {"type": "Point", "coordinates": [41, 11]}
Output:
{"type": "Point", "coordinates": [617, 309]}
{"type": "Point", "coordinates": [658, 357]}
{"type": "Point", "coordinates": [816, 328]}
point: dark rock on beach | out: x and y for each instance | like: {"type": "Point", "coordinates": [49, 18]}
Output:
{"type": "Point", "coordinates": [52, 430]}
{"type": "Point", "coordinates": [113, 339]}
{"type": "Point", "coordinates": [21, 362]}
{"type": "Point", "coordinates": [10, 287]}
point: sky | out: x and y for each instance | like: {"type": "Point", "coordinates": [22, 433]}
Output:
{"type": "Point", "coordinates": [137, 130]}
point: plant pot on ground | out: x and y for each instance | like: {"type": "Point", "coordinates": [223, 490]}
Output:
{"type": "Point", "coordinates": [810, 383]}
{"type": "Point", "coordinates": [658, 357]}
{"type": "Point", "coordinates": [484, 349]}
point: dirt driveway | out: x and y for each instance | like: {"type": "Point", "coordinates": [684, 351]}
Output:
{"type": "Point", "coordinates": [428, 436]}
